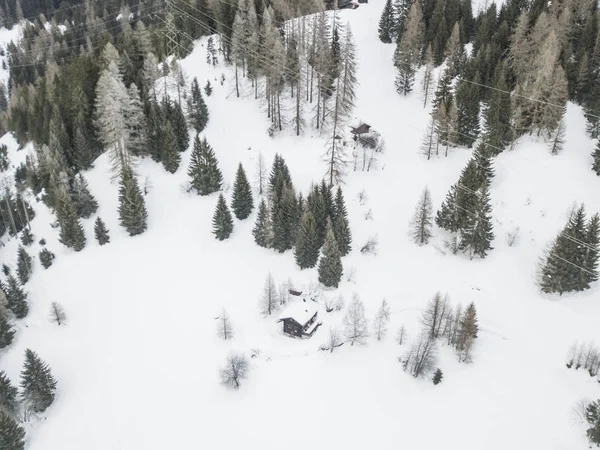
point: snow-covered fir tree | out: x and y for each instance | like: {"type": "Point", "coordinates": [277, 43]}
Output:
{"type": "Point", "coordinates": [26, 237]}
{"type": "Point", "coordinates": [477, 234]}
{"type": "Point", "coordinates": [101, 232]}
{"type": "Point", "coordinates": [24, 265]}
{"type": "Point", "coordinates": [46, 258]}
{"type": "Point", "coordinates": [205, 175]}
{"type": "Point", "coordinates": [242, 203]}
{"type": "Point", "coordinates": [38, 385]}
{"type": "Point", "coordinates": [222, 221]}
{"type": "Point", "coordinates": [386, 23]}
{"type": "Point", "coordinates": [407, 55]}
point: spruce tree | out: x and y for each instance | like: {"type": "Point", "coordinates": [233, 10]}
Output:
{"type": "Point", "coordinates": [330, 264]}
{"type": "Point", "coordinates": [6, 337]}
{"type": "Point", "coordinates": [12, 436]}
{"type": "Point", "coordinates": [437, 377]}
{"type": "Point", "coordinates": [27, 237]}
{"type": "Point", "coordinates": [38, 385]}
{"type": "Point", "coordinates": [498, 130]}
{"type": "Point", "coordinates": [316, 204]}
{"type": "Point", "coordinates": [279, 177]}
{"type": "Point", "coordinates": [46, 257]}
{"type": "Point", "coordinates": [101, 232]}
{"type": "Point", "coordinates": [198, 112]}
{"type": "Point", "coordinates": [71, 232]}
{"type": "Point", "coordinates": [208, 88]}
{"type": "Point", "coordinates": [170, 156]}
{"type": "Point", "coordinates": [16, 298]}
{"type": "Point", "coordinates": [284, 217]}
{"type": "Point", "coordinates": [262, 231]}
{"type": "Point", "coordinates": [8, 395]}
{"type": "Point", "coordinates": [85, 202]}
{"type": "Point", "coordinates": [446, 216]}
{"type": "Point", "coordinates": [24, 265]}
{"type": "Point", "coordinates": [341, 227]}
{"type": "Point", "coordinates": [477, 235]}
{"type": "Point", "coordinates": [204, 173]}
{"type": "Point", "coordinates": [242, 203]}
{"type": "Point", "coordinates": [386, 23]}
{"type": "Point", "coordinates": [179, 124]}
{"type": "Point", "coordinates": [222, 220]}
{"type": "Point", "coordinates": [132, 207]}
{"type": "Point", "coordinates": [482, 157]}
{"type": "Point", "coordinates": [592, 250]}
{"type": "Point", "coordinates": [467, 104]}
{"type": "Point", "coordinates": [596, 156]}
{"type": "Point", "coordinates": [307, 244]}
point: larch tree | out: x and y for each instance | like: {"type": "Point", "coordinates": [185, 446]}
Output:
{"type": "Point", "coordinates": [427, 82]}
{"type": "Point", "coordinates": [262, 231]}
{"type": "Point", "coordinates": [498, 113]}
{"type": "Point", "coordinates": [136, 124]}
{"type": "Point", "coordinates": [467, 333]}
{"type": "Point", "coordinates": [455, 52]}
{"type": "Point", "coordinates": [407, 55]}
{"type": "Point", "coordinates": [422, 221]}
{"type": "Point", "coordinates": [434, 316]}
{"type": "Point", "coordinates": [242, 202]}
{"type": "Point", "coordinates": [330, 264]}
{"type": "Point", "coordinates": [386, 23]}
{"type": "Point", "coordinates": [269, 301]}
{"type": "Point", "coordinates": [307, 243]}
{"type": "Point", "coordinates": [421, 357]}
{"type": "Point", "coordinates": [345, 95]}
{"type": "Point", "coordinates": [133, 215]}
{"type": "Point", "coordinates": [355, 324]}
{"type": "Point", "coordinates": [224, 326]}
{"type": "Point", "coordinates": [234, 371]}
{"type": "Point", "coordinates": [38, 385]}
{"type": "Point", "coordinates": [222, 221]}
{"type": "Point", "coordinates": [57, 314]}
{"type": "Point", "coordinates": [382, 318]}
{"type": "Point", "coordinates": [205, 175]}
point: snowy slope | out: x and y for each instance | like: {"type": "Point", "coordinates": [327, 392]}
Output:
{"type": "Point", "coordinates": [137, 363]}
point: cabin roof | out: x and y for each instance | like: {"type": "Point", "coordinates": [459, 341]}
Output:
{"type": "Point", "coordinates": [299, 310]}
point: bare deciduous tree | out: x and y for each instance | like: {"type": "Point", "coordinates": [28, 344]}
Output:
{"type": "Point", "coordinates": [401, 335]}
{"type": "Point", "coordinates": [224, 327]}
{"type": "Point", "coordinates": [355, 323]}
{"type": "Point", "coordinates": [433, 317]}
{"type": "Point", "coordinates": [270, 299]}
{"type": "Point", "coordinates": [370, 246]}
{"type": "Point", "coordinates": [512, 237]}
{"type": "Point", "coordinates": [261, 175]}
{"type": "Point", "coordinates": [235, 370]}
{"type": "Point", "coordinates": [334, 340]}
{"type": "Point", "coordinates": [381, 321]}
{"type": "Point", "coordinates": [422, 356]}
{"type": "Point", "coordinates": [57, 314]}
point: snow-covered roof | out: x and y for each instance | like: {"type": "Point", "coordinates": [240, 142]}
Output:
{"type": "Point", "coordinates": [299, 310]}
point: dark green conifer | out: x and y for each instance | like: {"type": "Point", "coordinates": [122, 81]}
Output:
{"type": "Point", "coordinates": [592, 250]}
{"type": "Point", "coordinates": [386, 23]}
{"type": "Point", "coordinates": [16, 298]}
{"type": "Point", "coordinates": [101, 232]}
{"type": "Point", "coordinates": [498, 129]}
{"type": "Point", "coordinates": [85, 202]}
{"type": "Point", "coordinates": [208, 88]}
{"type": "Point", "coordinates": [38, 385]}
{"type": "Point", "coordinates": [71, 232]}
{"type": "Point", "coordinates": [83, 149]}
{"type": "Point", "coordinates": [307, 243]}
{"type": "Point", "coordinates": [476, 236]}
{"type": "Point", "coordinates": [242, 202]}
{"type": "Point", "coordinates": [6, 337]}
{"type": "Point", "coordinates": [198, 111]}
{"type": "Point", "coordinates": [330, 264]}
{"type": "Point", "coordinates": [596, 156]}
{"type": "Point", "coordinates": [446, 216]}
{"type": "Point", "coordinates": [24, 265]}
{"type": "Point", "coordinates": [132, 207]}
{"type": "Point", "coordinates": [46, 257]}
{"type": "Point", "coordinates": [262, 230]}
{"type": "Point", "coordinates": [284, 216]}
{"type": "Point", "coordinates": [467, 104]}
{"type": "Point", "coordinates": [170, 155]}
{"type": "Point", "coordinates": [12, 436]}
{"type": "Point", "coordinates": [483, 163]}
{"type": "Point", "coordinates": [316, 205]}
{"type": "Point", "coordinates": [8, 395]}
{"type": "Point", "coordinates": [5, 270]}
{"type": "Point", "coordinates": [279, 178]}
{"type": "Point", "coordinates": [222, 220]}
{"type": "Point", "coordinates": [437, 377]}
{"type": "Point", "coordinates": [179, 124]}
{"type": "Point", "coordinates": [341, 227]}
{"type": "Point", "coordinates": [155, 122]}
{"type": "Point", "coordinates": [27, 237]}
{"type": "Point", "coordinates": [204, 173]}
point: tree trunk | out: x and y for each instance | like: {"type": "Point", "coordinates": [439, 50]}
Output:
{"type": "Point", "coordinates": [237, 86]}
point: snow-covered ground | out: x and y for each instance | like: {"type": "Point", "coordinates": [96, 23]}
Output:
{"type": "Point", "coordinates": [137, 363]}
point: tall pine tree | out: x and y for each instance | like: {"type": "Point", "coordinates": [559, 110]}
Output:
{"type": "Point", "coordinates": [170, 156]}
{"type": "Point", "coordinates": [12, 436]}
{"type": "Point", "coordinates": [204, 173]}
{"type": "Point", "coordinates": [330, 264]}
{"type": "Point", "coordinates": [307, 243]}
{"type": "Point", "coordinates": [341, 227]}
{"type": "Point", "coordinates": [262, 230]}
{"type": "Point", "coordinates": [132, 207]}
{"type": "Point", "coordinates": [7, 334]}
{"type": "Point", "coordinates": [38, 385]}
{"type": "Point", "coordinates": [242, 203]}
{"type": "Point", "coordinates": [16, 298]}
{"type": "Point", "coordinates": [101, 232]}
{"type": "Point", "coordinates": [71, 231]}
{"type": "Point", "coordinates": [198, 112]}
{"type": "Point", "coordinates": [8, 395]}
{"type": "Point", "coordinates": [386, 23]}
{"type": "Point", "coordinates": [477, 235]}
{"type": "Point", "coordinates": [222, 221]}
{"type": "Point", "coordinates": [24, 265]}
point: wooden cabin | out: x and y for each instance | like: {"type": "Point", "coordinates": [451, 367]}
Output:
{"type": "Point", "coordinates": [300, 318]}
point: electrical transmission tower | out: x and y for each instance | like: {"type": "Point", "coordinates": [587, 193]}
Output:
{"type": "Point", "coordinates": [172, 46]}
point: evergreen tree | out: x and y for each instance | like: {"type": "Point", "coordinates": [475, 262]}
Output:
{"type": "Point", "coordinates": [386, 23]}
{"type": "Point", "coordinates": [83, 150]}
{"type": "Point", "coordinates": [38, 385]}
{"type": "Point", "coordinates": [204, 172]}
{"type": "Point", "coordinates": [341, 227]}
{"type": "Point", "coordinates": [71, 231]}
{"type": "Point", "coordinates": [316, 204]}
{"type": "Point", "coordinates": [46, 257]}
{"type": "Point", "coordinates": [407, 56]}
{"type": "Point", "coordinates": [262, 230]}
{"type": "Point", "coordinates": [307, 244]}
{"type": "Point", "coordinates": [242, 203]}
{"type": "Point", "coordinates": [467, 333]}
{"type": "Point", "coordinates": [27, 237]}
{"type": "Point", "coordinates": [101, 232]}
{"type": "Point", "coordinates": [284, 217]}
{"type": "Point", "coordinates": [437, 377]}
{"type": "Point", "coordinates": [330, 264]}
{"type": "Point", "coordinates": [6, 337]}
{"type": "Point", "coordinates": [592, 250]}
{"type": "Point", "coordinates": [498, 129]}
{"type": "Point", "coordinates": [198, 112]}
{"type": "Point", "coordinates": [482, 157]}
{"type": "Point", "coordinates": [179, 124]}
{"type": "Point", "coordinates": [8, 395]}
{"type": "Point", "coordinates": [12, 436]}
{"type": "Point", "coordinates": [279, 177]}
{"type": "Point", "coordinates": [85, 202]}
{"type": "Point", "coordinates": [423, 219]}
{"type": "Point", "coordinates": [132, 207]}
{"type": "Point", "coordinates": [170, 156]}
{"type": "Point", "coordinates": [467, 104]}
{"type": "Point", "coordinates": [596, 156]}
{"type": "Point", "coordinates": [222, 220]}
{"type": "Point", "coordinates": [24, 265]}
{"type": "Point", "coordinates": [208, 88]}
{"type": "Point", "coordinates": [137, 126]}
{"type": "Point", "coordinates": [16, 298]}
{"type": "Point", "coordinates": [446, 216]}
{"type": "Point", "coordinates": [477, 235]}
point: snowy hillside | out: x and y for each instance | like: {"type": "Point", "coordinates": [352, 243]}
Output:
{"type": "Point", "coordinates": [137, 363]}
